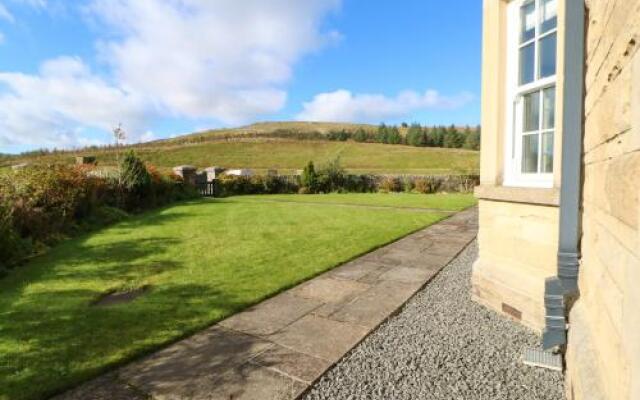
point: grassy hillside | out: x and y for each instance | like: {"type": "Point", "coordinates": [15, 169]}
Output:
{"type": "Point", "coordinates": [251, 147]}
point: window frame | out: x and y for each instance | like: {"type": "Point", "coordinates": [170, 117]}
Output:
{"type": "Point", "coordinates": [513, 175]}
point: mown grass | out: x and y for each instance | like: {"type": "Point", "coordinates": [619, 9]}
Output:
{"type": "Point", "coordinates": [450, 202]}
{"type": "Point", "coordinates": [202, 261]}
{"type": "Point", "coordinates": [291, 155]}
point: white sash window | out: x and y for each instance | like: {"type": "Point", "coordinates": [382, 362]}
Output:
{"type": "Point", "coordinates": [531, 91]}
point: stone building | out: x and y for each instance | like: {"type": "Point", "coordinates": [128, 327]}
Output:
{"type": "Point", "coordinates": [560, 183]}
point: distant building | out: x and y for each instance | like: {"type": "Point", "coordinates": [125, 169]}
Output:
{"type": "Point", "coordinates": [239, 172]}
{"type": "Point", "coordinates": [213, 173]}
{"type": "Point", "coordinates": [187, 172]}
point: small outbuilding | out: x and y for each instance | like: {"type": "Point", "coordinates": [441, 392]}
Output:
{"type": "Point", "coordinates": [239, 172]}
{"type": "Point", "coordinates": [187, 172]}
{"type": "Point", "coordinates": [213, 173]}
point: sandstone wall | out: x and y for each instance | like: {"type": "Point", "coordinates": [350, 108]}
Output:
{"type": "Point", "coordinates": [603, 359]}
{"type": "Point", "coordinates": [518, 246]}
{"type": "Point", "coordinates": [518, 235]}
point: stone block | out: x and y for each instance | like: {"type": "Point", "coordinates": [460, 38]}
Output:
{"type": "Point", "coordinates": [327, 290]}
{"type": "Point", "coordinates": [616, 100]}
{"type": "Point", "coordinates": [320, 337]}
{"type": "Point", "coordinates": [271, 315]}
{"type": "Point", "coordinates": [292, 363]}
{"type": "Point", "coordinates": [374, 306]}
{"type": "Point", "coordinates": [407, 275]}
{"type": "Point", "coordinates": [251, 382]}
{"type": "Point", "coordinates": [355, 270]}
{"type": "Point", "coordinates": [187, 173]}
{"type": "Point", "coordinates": [188, 369]}
{"type": "Point", "coordinates": [213, 173]}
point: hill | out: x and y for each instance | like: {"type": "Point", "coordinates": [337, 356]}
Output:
{"type": "Point", "coordinates": [261, 147]}
{"type": "Point", "coordinates": [260, 129]}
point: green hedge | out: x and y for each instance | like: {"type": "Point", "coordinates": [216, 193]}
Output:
{"type": "Point", "coordinates": [40, 205]}
{"type": "Point", "coordinates": [323, 182]}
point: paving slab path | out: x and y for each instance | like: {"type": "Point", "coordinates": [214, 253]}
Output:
{"type": "Point", "coordinates": [277, 349]}
{"type": "Point", "coordinates": [442, 346]}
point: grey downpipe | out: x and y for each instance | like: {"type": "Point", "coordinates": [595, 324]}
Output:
{"type": "Point", "coordinates": [561, 288]}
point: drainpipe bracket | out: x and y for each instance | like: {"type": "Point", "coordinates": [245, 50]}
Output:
{"type": "Point", "coordinates": [568, 269]}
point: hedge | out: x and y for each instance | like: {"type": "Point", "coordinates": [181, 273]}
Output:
{"type": "Point", "coordinates": [39, 205]}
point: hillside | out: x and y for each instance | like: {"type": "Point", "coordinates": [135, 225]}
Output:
{"type": "Point", "coordinates": [266, 128]}
{"type": "Point", "coordinates": [256, 147]}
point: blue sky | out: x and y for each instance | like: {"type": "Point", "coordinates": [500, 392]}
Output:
{"type": "Point", "coordinates": [70, 71]}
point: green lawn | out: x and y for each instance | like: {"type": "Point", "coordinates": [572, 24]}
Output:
{"type": "Point", "coordinates": [449, 202]}
{"type": "Point", "coordinates": [202, 260]}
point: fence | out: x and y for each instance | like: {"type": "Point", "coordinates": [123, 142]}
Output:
{"type": "Point", "coordinates": [206, 189]}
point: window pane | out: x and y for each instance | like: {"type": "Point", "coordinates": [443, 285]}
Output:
{"type": "Point", "coordinates": [527, 63]}
{"type": "Point", "coordinates": [531, 112]}
{"type": "Point", "coordinates": [547, 153]}
{"type": "Point", "coordinates": [547, 56]}
{"type": "Point", "coordinates": [528, 22]}
{"type": "Point", "coordinates": [549, 108]}
{"type": "Point", "coordinates": [530, 154]}
{"type": "Point", "coordinates": [549, 15]}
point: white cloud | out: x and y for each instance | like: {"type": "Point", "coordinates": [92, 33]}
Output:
{"type": "Point", "coordinates": [5, 14]}
{"type": "Point", "coordinates": [55, 106]}
{"type": "Point", "coordinates": [226, 59]}
{"type": "Point", "coordinates": [33, 3]}
{"type": "Point", "coordinates": [147, 137]}
{"type": "Point", "coordinates": [344, 106]}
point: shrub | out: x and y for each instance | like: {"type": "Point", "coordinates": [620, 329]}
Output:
{"type": "Point", "coordinates": [407, 184]}
{"type": "Point", "coordinates": [390, 184]}
{"type": "Point", "coordinates": [309, 178]}
{"type": "Point", "coordinates": [429, 184]}
{"type": "Point", "coordinates": [359, 184]}
{"type": "Point", "coordinates": [41, 204]}
{"type": "Point", "coordinates": [414, 135]}
{"type": "Point", "coordinates": [331, 177]}
{"type": "Point", "coordinates": [341, 135]}
{"type": "Point", "coordinates": [453, 138]}
{"type": "Point", "coordinates": [421, 185]}
{"type": "Point", "coordinates": [135, 181]}
{"type": "Point", "coordinates": [12, 247]}
{"type": "Point", "coordinates": [472, 139]}
{"type": "Point", "coordinates": [46, 200]}
{"type": "Point", "coordinates": [243, 185]}
{"type": "Point", "coordinates": [382, 136]}
{"type": "Point", "coordinates": [436, 136]}
{"type": "Point", "coordinates": [394, 136]}
{"type": "Point", "coordinates": [362, 136]}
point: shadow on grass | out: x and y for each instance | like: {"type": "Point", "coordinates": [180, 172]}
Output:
{"type": "Point", "coordinates": [52, 338]}
{"type": "Point", "coordinates": [60, 341]}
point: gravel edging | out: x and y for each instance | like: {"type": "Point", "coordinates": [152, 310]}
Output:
{"type": "Point", "coordinates": [442, 345]}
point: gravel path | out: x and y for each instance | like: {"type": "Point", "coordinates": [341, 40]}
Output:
{"type": "Point", "coordinates": [441, 346]}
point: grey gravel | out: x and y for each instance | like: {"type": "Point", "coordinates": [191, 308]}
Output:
{"type": "Point", "coordinates": [442, 346]}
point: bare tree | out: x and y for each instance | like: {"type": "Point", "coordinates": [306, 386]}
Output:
{"type": "Point", "coordinates": [119, 136]}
